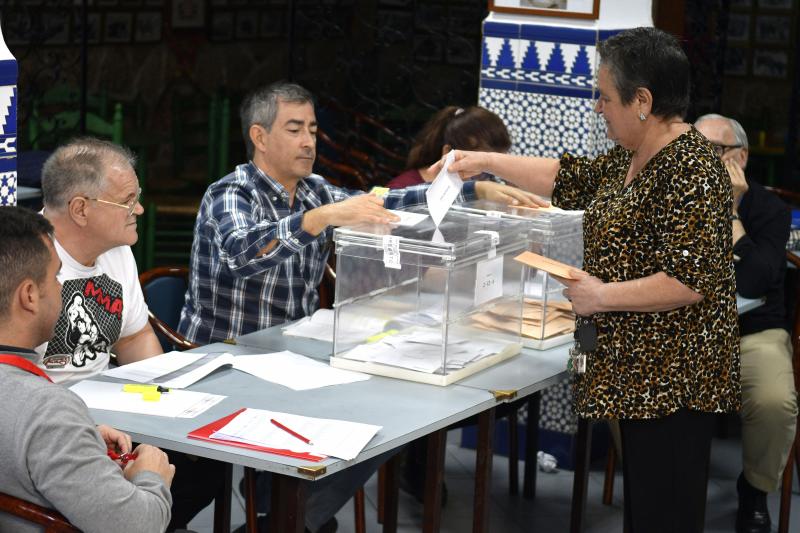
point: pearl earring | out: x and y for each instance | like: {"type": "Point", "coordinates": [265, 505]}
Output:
{"type": "Point", "coordinates": [642, 117]}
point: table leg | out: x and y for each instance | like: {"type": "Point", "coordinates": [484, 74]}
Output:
{"type": "Point", "coordinates": [513, 453]}
{"type": "Point", "coordinates": [222, 503]}
{"type": "Point", "coordinates": [390, 495]}
{"type": "Point", "coordinates": [580, 482]}
{"type": "Point", "coordinates": [531, 446]}
{"type": "Point", "coordinates": [434, 475]}
{"type": "Point", "coordinates": [250, 513]}
{"type": "Point", "coordinates": [288, 509]}
{"type": "Point", "coordinates": [483, 471]}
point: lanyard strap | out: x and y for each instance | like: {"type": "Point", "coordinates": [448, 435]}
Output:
{"type": "Point", "coordinates": [24, 364]}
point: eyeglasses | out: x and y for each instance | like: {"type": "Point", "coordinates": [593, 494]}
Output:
{"type": "Point", "coordinates": [721, 149]}
{"type": "Point", "coordinates": [131, 207]}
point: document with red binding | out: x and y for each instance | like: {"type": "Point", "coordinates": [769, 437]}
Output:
{"type": "Point", "coordinates": [205, 432]}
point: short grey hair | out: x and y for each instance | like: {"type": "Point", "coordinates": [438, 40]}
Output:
{"type": "Point", "coordinates": [79, 167]}
{"type": "Point", "coordinates": [738, 131]}
{"type": "Point", "coordinates": [261, 107]}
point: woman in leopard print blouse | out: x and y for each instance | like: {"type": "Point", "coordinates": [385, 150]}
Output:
{"type": "Point", "coordinates": [659, 281]}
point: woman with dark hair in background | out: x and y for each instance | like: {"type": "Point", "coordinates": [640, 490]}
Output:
{"type": "Point", "coordinates": [658, 340]}
{"type": "Point", "coordinates": [452, 128]}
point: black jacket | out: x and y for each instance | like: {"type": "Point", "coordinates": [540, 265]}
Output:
{"type": "Point", "coordinates": [761, 268]}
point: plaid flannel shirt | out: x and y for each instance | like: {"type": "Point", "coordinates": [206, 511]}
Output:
{"type": "Point", "coordinates": [232, 290]}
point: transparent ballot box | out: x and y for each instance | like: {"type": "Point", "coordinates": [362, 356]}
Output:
{"type": "Point", "coordinates": [547, 317]}
{"type": "Point", "coordinates": [426, 304]}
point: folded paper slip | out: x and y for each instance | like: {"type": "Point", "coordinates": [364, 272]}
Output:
{"type": "Point", "coordinates": [205, 432]}
{"type": "Point", "coordinates": [552, 266]}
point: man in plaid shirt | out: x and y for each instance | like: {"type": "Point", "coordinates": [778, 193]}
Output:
{"type": "Point", "coordinates": [260, 246]}
{"type": "Point", "coordinates": [260, 241]}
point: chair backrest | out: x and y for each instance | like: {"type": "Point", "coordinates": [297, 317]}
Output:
{"type": "Point", "coordinates": [51, 520]}
{"type": "Point", "coordinates": [164, 291]}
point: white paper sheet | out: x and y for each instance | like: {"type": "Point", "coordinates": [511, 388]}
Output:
{"type": "Point", "coordinates": [443, 191]}
{"type": "Point", "coordinates": [320, 326]}
{"type": "Point", "coordinates": [175, 403]}
{"type": "Point", "coordinates": [147, 370]}
{"type": "Point", "coordinates": [195, 375]}
{"type": "Point", "coordinates": [337, 438]}
{"type": "Point", "coordinates": [295, 371]}
{"type": "Point", "coordinates": [420, 349]}
{"type": "Point", "coordinates": [408, 218]}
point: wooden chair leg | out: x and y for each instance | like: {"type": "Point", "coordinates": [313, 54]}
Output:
{"type": "Point", "coordinates": [513, 453]}
{"type": "Point", "coordinates": [222, 503]}
{"type": "Point", "coordinates": [250, 513]}
{"type": "Point", "coordinates": [359, 511]}
{"type": "Point", "coordinates": [608, 482]}
{"type": "Point", "coordinates": [390, 495]}
{"type": "Point", "coordinates": [786, 493]}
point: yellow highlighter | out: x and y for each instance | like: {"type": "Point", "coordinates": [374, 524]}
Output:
{"type": "Point", "coordinates": [379, 336]}
{"type": "Point", "coordinates": [150, 393]}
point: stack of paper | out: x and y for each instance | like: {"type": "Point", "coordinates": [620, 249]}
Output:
{"type": "Point", "coordinates": [175, 403]}
{"type": "Point", "coordinates": [337, 438]}
{"type": "Point", "coordinates": [320, 326]}
{"type": "Point", "coordinates": [538, 322]}
{"type": "Point", "coordinates": [284, 368]}
{"type": "Point", "coordinates": [420, 349]}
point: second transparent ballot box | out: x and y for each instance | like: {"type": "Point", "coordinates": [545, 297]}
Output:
{"type": "Point", "coordinates": [547, 318]}
{"type": "Point", "coordinates": [428, 304]}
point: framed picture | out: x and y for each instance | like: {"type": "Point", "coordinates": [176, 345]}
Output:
{"type": "Point", "coordinates": [55, 27]}
{"type": "Point", "coordinates": [246, 25]}
{"type": "Point", "coordinates": [118, 27]}
{"type": "Point", "coordinates": [773, 29]}
{"type": "Point", "coordinates": [577, 9]}
{"type": "Point", "coordinates": [739, 27]}
{"type": "Point", "coordinates": [272, 23]}
{"type": "Point", "coordinates": [188, 13]}
{"type": "Point", "coordinates": [775, 4]}
{"type": "Point", "coordinates": [222, 26]}
{"type": "Point", "coordinates": [148, 27]}
{"type": "Point", "coordinates": [770, 63]}
{"type": "Point", "coordinates": [93, 25]}
{"type": "Point", "coordinates": [735, 61]}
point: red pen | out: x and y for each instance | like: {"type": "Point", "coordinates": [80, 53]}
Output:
{"type": "Point", "coordinates": [289, 431]}
{"type": "Point", "coordinates": [122, 457]}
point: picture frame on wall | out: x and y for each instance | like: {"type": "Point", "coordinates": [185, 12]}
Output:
{"type": "Point", "coordinates": [739, 27]}
{"type": "Point", "coordinates": [55, 26]}
{"type": "Point", "coordinates": [148, 27]}
{"type": "Point", "coordinates": [576, 9]}
{"type": "Point", "coordinates": [735, 61]}
{"type": "Point", "coordinates": [773, 29]}
{"type": "Point", "coordinates": [118, 27]}
{"type": "Point", "coordinates": [771, 63]}
{"type": "Point", "coordinates": [222, 26]}
{"type": "Point", "coordinates": [188, 13]}
{"type": "Point", "coordinates": [272, 23]}
{"type": "Point", "coordinates": [93, 23]}
{"type": "Point", "coordinates": [246, 25]}
{"type": "Point", "coordinates": [775, 4]}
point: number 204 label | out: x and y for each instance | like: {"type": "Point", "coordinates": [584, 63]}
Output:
{"type": "Point", "coordinates": [488, 280]}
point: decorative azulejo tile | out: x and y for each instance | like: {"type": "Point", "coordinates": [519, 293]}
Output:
{"type": "Point", "coordinates": [8, 144]}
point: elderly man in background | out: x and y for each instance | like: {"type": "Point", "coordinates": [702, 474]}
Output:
{"type": "Point", "coordinates": [760, 223]}
{"type": "Point", "coordinates": [91, 196]}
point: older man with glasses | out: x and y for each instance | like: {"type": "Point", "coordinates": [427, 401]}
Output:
{"type": "Point", "coordinates": [760, 223]}
{"type": "Point", "coordinates": [91, 197]}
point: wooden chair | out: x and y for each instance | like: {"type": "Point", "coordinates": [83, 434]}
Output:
{"type": "Point", "coordinates": [51, 520]}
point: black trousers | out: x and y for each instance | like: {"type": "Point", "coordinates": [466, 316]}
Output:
{"type": "Point", "coordinates": [665, 470]}
{"type": "Point", "coordinates": [196, 483]}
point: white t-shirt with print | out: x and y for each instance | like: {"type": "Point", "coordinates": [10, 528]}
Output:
{"type": "Point", "coordinates": [100, 305]}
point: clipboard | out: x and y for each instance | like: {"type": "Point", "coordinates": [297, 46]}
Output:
{"type": "Point", "coordinates": [551, 266]}
{"type": "Point", "coordinates": [205, 432]}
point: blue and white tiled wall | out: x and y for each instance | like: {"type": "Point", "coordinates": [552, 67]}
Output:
{"type": "Point", "coordinates": [8, 132]}
{"type": "Point", "coordinates": [540, 81]}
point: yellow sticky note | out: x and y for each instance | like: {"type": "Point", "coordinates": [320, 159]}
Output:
{"type": "Point", "coordinates": [380, 192]}
{"type": "Point", "coordinates": [151, 396]}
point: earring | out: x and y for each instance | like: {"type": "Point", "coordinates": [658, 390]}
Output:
{"type": "Point", "coordinates": [642, 117]}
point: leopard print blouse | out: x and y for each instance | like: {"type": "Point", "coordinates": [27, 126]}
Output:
{"type": "Point", "coordinates": [673, 218]}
